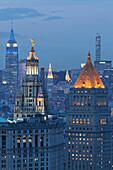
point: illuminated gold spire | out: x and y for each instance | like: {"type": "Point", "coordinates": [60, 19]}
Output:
{"type": "Point", "coordinates": [67, 78]}
{"type": "Point", "coordinates": [50, 75]}
{"type": "Point", "coordinates": [89, 78]}
{"type": "Point", "coordinates": [32, 52]}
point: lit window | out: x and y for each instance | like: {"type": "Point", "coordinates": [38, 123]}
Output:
{"type": "Point", "coordinates": [73, 121]}
{"type": "Point", "coordinates": [88, 121]}
{"type": "Point", "coordinates": [84, 121]}
{"type": "Point", "coordinates": [76, 121]}
{"type": "Point", "coordinates": [80, 121]}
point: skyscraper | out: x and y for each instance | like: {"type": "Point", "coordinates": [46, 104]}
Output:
{"type": "Point", "coordinates": [67, 77]}
{"type": "Point", "coordinates": [88, 125]}
{"type": "Point", "coordinates": [100, 66]}
{"type": "Point", "coordinates": [98, 47]}
{"type": "Point", "coordinates": [11, 66]}
{"type": "Point", "coordinates": [22, 68]}
{"type": "Point", "coordinates": [31, 100]}
{"type": "Point", "coordinates": [50, 81]}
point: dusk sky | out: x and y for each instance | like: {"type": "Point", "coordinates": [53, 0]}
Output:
{"type": "Point", "coordinates": [63, 30]}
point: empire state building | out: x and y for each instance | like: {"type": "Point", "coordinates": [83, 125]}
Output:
{"type": "Point", "coordinates": [11, 66]}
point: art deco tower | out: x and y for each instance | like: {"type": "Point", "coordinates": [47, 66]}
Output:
{"type": "Point", "coordinates": [50, 81]}
{"type": "Point", "coordinates": [67, 77]}
{"type": "Point", "coordinates": [11, 74]}
{"type": "Point", "coordinates": [31, 100]}
{"type": "Point", "coordinates": [88, 126]}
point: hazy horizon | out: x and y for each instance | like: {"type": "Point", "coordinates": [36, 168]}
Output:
{"type": "Point", "coordinates": [63, 31]}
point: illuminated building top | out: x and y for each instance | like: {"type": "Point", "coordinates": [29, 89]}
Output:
{"type": "Point", "coordinates": [32, 52]}
{"type": "Point", "coordinates": [89, 78]}
{"type": "Point", "coordinates": [67, 78]}
{"type": "Point", "coordinates": [50, 75]}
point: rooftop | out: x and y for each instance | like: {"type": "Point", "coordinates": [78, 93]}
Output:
{"type": "Point", "coordinates": [89, 78]}
{"type": "Point", "coordinates": [2, 120]}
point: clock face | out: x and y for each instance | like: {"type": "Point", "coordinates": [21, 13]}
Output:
{"type": "Point", "coordinates": [15, 45]}
{"type": "Point", "coordinates": [8, 45]}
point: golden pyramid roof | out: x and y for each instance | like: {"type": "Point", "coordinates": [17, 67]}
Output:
{"type": "Point", "coordinates": [50, 75]}
{"type": "Point", "coordinates": [89, 78]}
{"type": "Point", "coordinates": [67, 76]}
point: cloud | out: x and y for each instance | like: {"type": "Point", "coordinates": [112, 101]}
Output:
{"type": "Point", "coordinates": [52, 18]}
{"type": "Point", "coordinates": [18, 13]}
{"type": "Point", "coordinates": [7, 34]}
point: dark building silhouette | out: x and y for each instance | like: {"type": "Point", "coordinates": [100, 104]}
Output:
{"type": "Point", "coordinates": [98, 47]}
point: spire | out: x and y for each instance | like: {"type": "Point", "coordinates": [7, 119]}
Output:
{"type": "Point", "coordinates": [12, 33]}
{"type": "Point", "coordinates": [50, 75]}
{"type": "Point", "coordinates": [89, 78]}
{"type": "Point", "coordinates": [67, 77]}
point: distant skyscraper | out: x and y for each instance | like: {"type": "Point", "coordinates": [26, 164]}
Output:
{"type": "Point", "coordinates": [108, 81]}
{"type": "Point", "coordinates": [67, 77]}
{"type": "Point", "coordinates": [88, 123]}
{"type": "Point", "coordinates": [98, 47]}
{"type": "Point", "coordinates": [43, 78]}
{"type": "Point", "coordinates": [22, 68]}
{"type": "Point", "coordinates": [100, 66]}
{"type": "Point", "coordinates": [58, 76]}
{"type": "Point", "coordinates": [50, 81]}
{"type": "Point", "coordinates": [11, 66]}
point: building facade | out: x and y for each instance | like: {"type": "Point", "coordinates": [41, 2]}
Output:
{"type": "Point", "coordinates": [36, 144]}
{"type": "Point", "coordinates": [88, 126]}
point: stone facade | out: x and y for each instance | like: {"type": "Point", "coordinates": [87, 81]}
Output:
{"type": "Point", "coordinates": [33, 145]}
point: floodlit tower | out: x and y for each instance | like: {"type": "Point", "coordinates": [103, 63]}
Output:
{"type": "Point", "coordinates": [67, 77]}
{"type": "Point", "coordinates": [50, 81]}
{"type": "Point", "coordinates": [88, 123]}
{"type": "Point", "coordinates": [11, 66]}
{"type": "Point", "coordinates": [31, 100]}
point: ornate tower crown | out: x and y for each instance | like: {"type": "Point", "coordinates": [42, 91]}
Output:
{"type": "Point", "coordinates": [50, 75]}
{"type": "Point", "coordinates": [32, 52]}
{"type": "Point", "coordinates": [89, 78]}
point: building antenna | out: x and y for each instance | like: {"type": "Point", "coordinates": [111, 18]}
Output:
{"type": "Point", "coordinates": [11, 23]}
